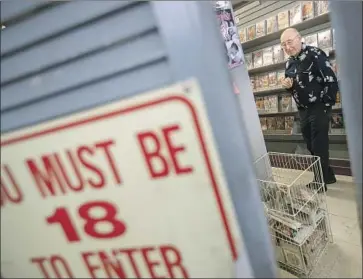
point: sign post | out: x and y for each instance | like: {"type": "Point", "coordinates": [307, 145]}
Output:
{"type": "Point", "coordinates": [129, 189]}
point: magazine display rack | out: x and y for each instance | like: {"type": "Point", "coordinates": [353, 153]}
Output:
{"type": "Point", "coordinates": [295, 205]}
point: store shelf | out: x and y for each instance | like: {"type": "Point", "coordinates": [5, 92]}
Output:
{"type": "Point", "coordinates": [278, 66]}
{"type": "Point", "coordinates": [276, 35]}
{"type": "Point", "coordinates": [333, 139]}
{"type": "Point", "coordinates": [270, 92]}
{"type": "Point", "coordinates": [287, 113]}
{"type": "Point", "coordinates": [292, 113]}
{"type": "Point", "coordinates": [272, 67]}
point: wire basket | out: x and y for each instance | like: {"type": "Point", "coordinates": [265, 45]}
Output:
{"type": "Point", "coordinates": [291, 187]}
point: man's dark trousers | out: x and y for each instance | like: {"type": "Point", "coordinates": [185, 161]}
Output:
{"type": "Point", "coordinates": [314, 123]}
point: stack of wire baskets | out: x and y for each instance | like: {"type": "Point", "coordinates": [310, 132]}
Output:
{"type": "Point", "coordinates": [292, 192]}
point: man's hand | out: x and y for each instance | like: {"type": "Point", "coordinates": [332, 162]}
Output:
{"type": "Point", "coordinates": [287, 83]}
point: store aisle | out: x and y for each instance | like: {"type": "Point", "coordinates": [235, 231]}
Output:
{"type": "Point", "coordinates": [343, 258]}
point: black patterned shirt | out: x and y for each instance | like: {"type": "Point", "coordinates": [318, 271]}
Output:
{"type": "Point", "coordinates": [314, 80]}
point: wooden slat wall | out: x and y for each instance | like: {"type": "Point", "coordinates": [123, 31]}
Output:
{"type": "Point", "coordinates": [77, 55]}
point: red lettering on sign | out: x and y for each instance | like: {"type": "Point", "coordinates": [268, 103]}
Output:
{"type": "Point", "coordinates": [173, 150]}
{"type": "Point", "coordinates": [105, 146]}
{"type": "Point", "coordinates": [152, 155]}
{"type": "Point", "coordinates": [58, 263]}
{"type": "Point", "coordinates": [53, 178]}
{"type": "Point", "coordinates": [41, 265]}
{"type": "Point", "coordinates": [9, 191]}
{"type": "Point", "coordinates": [173, 261]}
{"type": "Point", "coordinates": [156, 155]}
{"type": "Point", "coordinates": [130, 254]}
{"type": "Point", "coordinates": [152, 262]}
{"type": "Point", "coordinates": [54, 264]}
{"type": "Point", "coordinates": [48, 181]}
{"type": "Point", "coordinates": [82, 153]}
{"type": "Point", "coordinates": [62, 217]}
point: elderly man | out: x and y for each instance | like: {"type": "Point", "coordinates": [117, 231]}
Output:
{"type": "Point", "coordinates": [311, 81]}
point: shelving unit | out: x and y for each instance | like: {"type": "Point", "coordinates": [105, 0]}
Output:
{"type": "Point", "coordinates": [303, 26]}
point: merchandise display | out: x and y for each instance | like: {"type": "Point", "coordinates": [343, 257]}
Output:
{"type": "Point", "coordinates": [242, 35]}
{"type": "Point", "coordinates": [295, 14]}
{"type": "Point", "coordinates": [267, 55]}
{"type": "Point", "coordinates": [325, 41]}
{"type": "Point", "coordinates": [266, 63]}
{"type": "Point", "coordinates": [321, 7]}
{"type": "Point", "coordinates": [278, 54]}
{"type": "Point", "coordinates": [257, 57]}
{"type": "Point", "coordinates": [337, 123]}
{"type": "Point", "coordinates": [283, 20]}
{"type": "Point", "coordinates": [297, 215]}
{"type": "Point", "coordinates": [261, 29]}
{"type": "Point", "coordinates": [251, 32]}
{"type": "Point", "coordinates": [311, 40]}
{"type": "Point", "coordinates": [307, 10]}
{"type": "Point", "coordinates": [271, 25]}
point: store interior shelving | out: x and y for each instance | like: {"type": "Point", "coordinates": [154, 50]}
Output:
{"type": "Point", "coordinates": [261, 75]}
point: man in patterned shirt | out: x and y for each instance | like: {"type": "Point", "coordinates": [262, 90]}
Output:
{"type": "Point", "coordinates": [310, 79]}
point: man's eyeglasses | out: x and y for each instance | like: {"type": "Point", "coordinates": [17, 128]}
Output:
{"type": "Point", "coordinates": [288, 42]}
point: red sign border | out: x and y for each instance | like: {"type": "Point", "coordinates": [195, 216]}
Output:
{"type": "Point", "coordinates": [133, 108]}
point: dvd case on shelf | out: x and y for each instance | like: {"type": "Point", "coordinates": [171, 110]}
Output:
{"type": "Point", "coordinates": [266, 103]}
{"type": "Point", "coordinates": [273, 104]}
{"type": "Point", "coordinates": [271, 25]}
{"type": "Point", "coordinates": [280, 77]}
{"type": "Point", "coordinates": [263, 123]}
{"type": "Point", "coordinates": [258, 83]}
{"type": "Point", "coordinates": [264, 81]}
{"type": "Point", "coordinates": [338, 101]}
{"type": "Point", "coordinates": [285, 102]}
{"type": "Point", "coordinates": [278, 54]}
{"type": "Point", "coordinates": [249, 60]}
{"type": "Point", "coordinates": [257, 59]}
{"type": "Point", "coordinates": [260, 105]}
{"type": "Point", "coordinates": [271, 123]}
{"type": "Point", "coordinates": [252, 82]}
{"type": "Point", "coordinates": [267, 56]}
{"type": "Point", "coordinates": [289, 124]}
{"type": "Point", "coordinates": [325, 41]}
{"type": "Point", "coordinates": [337, 123]}
{"type": "Point", "coordinates": [321, 7]}
{"type": "Point", "coordinates": [311, 40]}
{"type": "Point", "coordinates": [242, 35]}
{"type": "Point", "coordinates": [272, 80]}
{"type": "Point", "coordinates": [260, 29]}
{"type": "Point", "coordinates": [295, 14]}
{"type": "Point", "coordinates": [280, 123]}
{"type": "Point", "coordinates": [251, 32]}
{"type": "Point", "coordinates": [307, 10]}
{"type": "Point", "coordinates": [283, 20]}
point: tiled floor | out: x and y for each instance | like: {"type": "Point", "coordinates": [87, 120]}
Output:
{"type": "Point", "coordinates": [343, 258]}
